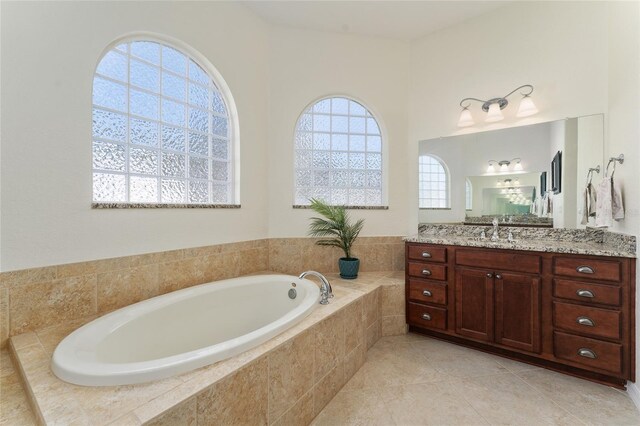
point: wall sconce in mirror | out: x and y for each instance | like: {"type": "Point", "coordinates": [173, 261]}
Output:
{"type": "Point", "coordinates": [503, 166]}
{"type": "Point", "coordinates": [493, 107]}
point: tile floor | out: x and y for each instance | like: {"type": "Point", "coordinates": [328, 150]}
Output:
{"type": "Point", "coordinates": [415, 380]}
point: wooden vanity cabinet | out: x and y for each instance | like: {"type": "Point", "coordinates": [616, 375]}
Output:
{"type": "Point", "coordinates": [565, 312]}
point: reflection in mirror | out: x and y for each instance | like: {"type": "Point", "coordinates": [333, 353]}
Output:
{"type": "Point", "coordinates": [507, 174]}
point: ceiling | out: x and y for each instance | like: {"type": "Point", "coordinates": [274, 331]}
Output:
{"type": "Point", "coordinates": [402, 20]}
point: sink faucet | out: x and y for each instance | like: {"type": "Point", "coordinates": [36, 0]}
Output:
{"type": "Point", "coordinates": [494, 234]}
{"type": "Point", "coordinates": [325, 288]}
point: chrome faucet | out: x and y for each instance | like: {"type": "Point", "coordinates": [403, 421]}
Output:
{"type": "Point", "coordinates": [325, 288]}
{"type": "Point", "coordinates": [494, 234]}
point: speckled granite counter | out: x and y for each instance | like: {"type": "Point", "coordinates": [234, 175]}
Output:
{"type": "Point", "coordinates": [591, 241]}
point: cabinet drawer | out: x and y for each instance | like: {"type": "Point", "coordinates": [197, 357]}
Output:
{"type": "Point", "coordinates": [427, 316]}
{"type": "Point", "coordinates": [587, 320]}
{"type": "Point", "coordinates": [587, 292]}
{"type": "Point", "coordinates": [589, 352]}
{"type": "Point", "coordinates": [498, 261]}
{"type": "Point", "coordinates": [587, 268]}
{"type": "Point", "coordinates": [428, 270]}
{"type": "Point", "coordinates": [429, 253]}
{"type": "Point", "coordinates": [428, 292]}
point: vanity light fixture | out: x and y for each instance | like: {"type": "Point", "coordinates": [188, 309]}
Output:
{"type": "Point", "coordinates": [493, 107]}
{"type": "Point", "coordinates": [504, 165]}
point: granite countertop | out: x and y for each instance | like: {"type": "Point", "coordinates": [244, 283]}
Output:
{"type": "Point", "coordinates": [587, 242]}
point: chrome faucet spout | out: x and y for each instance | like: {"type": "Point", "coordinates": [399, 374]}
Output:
{"type": "Point", "coordinates": [325, 287]}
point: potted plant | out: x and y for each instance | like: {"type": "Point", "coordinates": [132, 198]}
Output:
{"type": "Point", "coordinates": [337, 230]}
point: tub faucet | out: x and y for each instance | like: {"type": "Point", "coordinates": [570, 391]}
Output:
{"type": "Point", "coordinates": [325, 288]}
{"type": "Point", "coordinates": [494, 234]}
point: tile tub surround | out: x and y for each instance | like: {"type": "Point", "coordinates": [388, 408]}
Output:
{"type": "Point", "coordinates": [588, 241]}
{"type": "Point", "coordinates": [33, 299]}
{"type": "Point", "coordinates": [286, 380]}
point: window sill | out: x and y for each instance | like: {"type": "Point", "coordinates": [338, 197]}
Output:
{"type": "Point", "coordinates": [299, 206]}
{"type": "Point", "coordinates": [162, 206]}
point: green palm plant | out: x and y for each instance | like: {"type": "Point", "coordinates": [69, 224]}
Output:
{"type": "Point", "coordinates": [336, 228]}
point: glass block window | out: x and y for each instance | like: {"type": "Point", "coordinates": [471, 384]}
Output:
{"type": "Point", "coordinates": [468, 193]}
{"type": "Point", "coordinates": [433, 183]}
{"type": "Point", "coordinates": [338, 154]}
{"type": "Point", "coordinates": [161, 129]}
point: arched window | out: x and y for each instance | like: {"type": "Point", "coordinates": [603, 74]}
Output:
{"type": "Point", "coordinates": [338, 154]}
{"type": "Point", "coordinates": [162, 131]}
{"type": "Point", "coordinates": [468, 192]}
{"type": "Point", "coordinates": [433, 183]}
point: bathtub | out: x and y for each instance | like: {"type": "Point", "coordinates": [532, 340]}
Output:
{"type": "Point", "coordinates": [184, 330]}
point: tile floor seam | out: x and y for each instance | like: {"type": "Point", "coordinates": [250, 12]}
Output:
{"type": "Point", "coordinates": [539, 392]}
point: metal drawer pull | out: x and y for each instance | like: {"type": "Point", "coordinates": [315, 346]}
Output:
{"type": "Point", "coordinates": [585, 269]}
{"type": "Point", "coordinates": [585, 321]}
{"type": "Point", "coordinates": [489, 275]}
{"type": "Point", "coordinates": [426, 317]}
{"type": "Point", "coordinates": [587, 353]}
{"type": "Point", "coordinates": [426, 272]}
{"type": "Point", "coordinates": [426, 254]}
{"type": "Point", "coordinates": [426, 293]}
{"type": "Point", "coordinates": [585, 293]}
{"type": "Point", "coordinates": [498, 276]}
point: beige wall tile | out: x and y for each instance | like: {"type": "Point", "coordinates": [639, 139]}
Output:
{"type": "Point", "coordinates": [33, 306]}
{"type": "Point", "coordinates": [125, 287]}
{"type": "Point", "coordinates": [374, 257]}
{"type": "Point", "coordinates": [392, 300]}
{"type": "Point", "coordinates": [50, 336]}
{"type": "Point", "coordinates": [353, 325]}
{"type": "Point", "coordinates": [397, 254]}
{"type": "Point", "coordinates": [181, 274]}
{"type": "Point", "coordinates": [76, 269]}
{"type": "Point", "coordinates": [327, 387]}
{"type": "Point", "coordinates": [329, 344]}
{"type": "Point", "coordinates": [184, 414]}
{"type": "Point", "coordinates": [373, 334]}
{"type": "Point", "coordinates": [290, 373]}
{"type": "Point", "coordinates": [393, 325]}
{"type": "Point", "coordinates": [158, 257]}
{"type": "Point", "coordinates": [25, 276]}
{"type": "Point", "coordinates": [353, 361]}
{"type": "Point", "coordinates": [371, 302]}
{"type": "Point", "coordinates": [301, 414]}
{"type": "Point", "coordinates": [4, 317]}
{"type": "Point", "coordinates": [240, 399]}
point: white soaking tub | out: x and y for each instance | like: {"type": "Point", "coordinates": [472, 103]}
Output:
{"type": "Point", "coordinates": [184, 330]}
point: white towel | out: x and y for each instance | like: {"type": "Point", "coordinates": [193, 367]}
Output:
{"type": "Point", "coordinates": [604, 203]}
{"type": "Point", "coordinates": [589, 203]}
{"type": "Point", "coordinates": [617, 207]}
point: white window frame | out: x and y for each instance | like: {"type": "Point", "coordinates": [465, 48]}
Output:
{"type": "Point", "coordinates": [421, 180]}
{"type": "Point", "coordinates": [222, 87]}
{"type": "Point", "coordinates": [384, 149]}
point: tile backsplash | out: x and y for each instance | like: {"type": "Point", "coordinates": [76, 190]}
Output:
{"type": "Point", "coordinates": [37, 298]}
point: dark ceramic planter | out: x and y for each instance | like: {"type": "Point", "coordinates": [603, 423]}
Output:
{"type": "Point", "coordinates": [349, 268]}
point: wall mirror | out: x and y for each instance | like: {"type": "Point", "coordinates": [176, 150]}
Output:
{"type": "Point", "coordinates": [526, 176]}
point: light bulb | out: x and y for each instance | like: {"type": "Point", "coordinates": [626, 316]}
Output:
{"type": "Point", "coordinates": [527, 107]}
{"type": "Point", "coordinates": [494, 114]}
{"type": "Point", "coordinates": [491, 169]}
{"type": "Point", "coordinates": [504, 167]}
{"type": "Point", "coordinates": [465, 119]}
{"type": "Point", "coordinates": [517, 166]}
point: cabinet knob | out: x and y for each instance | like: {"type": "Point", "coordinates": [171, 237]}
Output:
{"type": "Point", "coordinates": [585, 321]}
{"type": "Point", "coordinates": [585, 293]}
{"type": "Point", "coordinates": [426, 317]}
{"type": "Point", "coordinates": [585, 269]}
{"type": "Point", "coordinates": [426, 254]}
{"type": "Point", "coordinates": [426, 293]}
{"type": "Point", "coordinates": [489, 275]}
{"type": "Point", "coordinates": [426, 272]}
{"type": "Point", "coordinates": [587, 353]}
{"type": "Point", "coordinates": [498, 276]}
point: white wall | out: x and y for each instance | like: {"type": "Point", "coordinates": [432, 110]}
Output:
{"type": "Point", "coordinates": [590, 134]}
{"type": "Point", "coordinates": [559, 47]}
{"type": "Point", "coordinates": [623, 123]}
{"type": "Point", "coordinates": [50, 50]}
{"type": "Point", "coordinates": [307, 65]}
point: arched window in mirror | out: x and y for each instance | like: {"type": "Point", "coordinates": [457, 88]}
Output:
{"type": "Point", "coordinates": [163, 132]}
{"type": "Point", "coordinates": [468, 192]}
{"type": "Point", "coordinates": [433, 183]}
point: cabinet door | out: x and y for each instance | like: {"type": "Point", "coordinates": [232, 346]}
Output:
{"type": "Point", "coordinates": [474, 303]}
{"type": "Point", "coordinates": [517, 311]}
